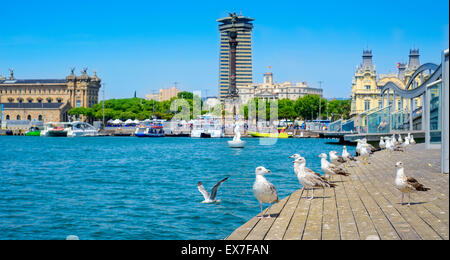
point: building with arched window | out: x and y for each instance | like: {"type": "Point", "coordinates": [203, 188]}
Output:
{"type": "Point", "coordinates": [47, 99]}
{"type": "Point", "coordinates": [367, 84]}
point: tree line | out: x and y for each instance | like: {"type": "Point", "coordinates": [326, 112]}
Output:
{"type": "Point", "coordinates": [304, 108]}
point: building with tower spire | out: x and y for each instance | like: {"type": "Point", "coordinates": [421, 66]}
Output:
{"type": "Point", "coordinates": [366, 83]}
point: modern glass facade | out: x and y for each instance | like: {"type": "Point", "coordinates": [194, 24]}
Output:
{"type": "Point", "coordinates": [244, 69]}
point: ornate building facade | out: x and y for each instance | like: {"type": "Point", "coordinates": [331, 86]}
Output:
{"type": "Point", "coordinates": [367, 84]}
{"type": "Point", "coordinates": [47, 100]}
{"type": "Point", "coordinates": [271, 90]}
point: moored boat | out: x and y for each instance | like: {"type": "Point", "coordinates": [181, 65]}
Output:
{"type": "Point", "coordinates": [78, 129]}
{"type": "Point", "coordinates": [55, 129]}
{"type": "Point", "coordinates": [281, 134]}
{"type": "Point", "coordinates": [149, 131]}
{"type": "Point", "coordinates": [34, 131]}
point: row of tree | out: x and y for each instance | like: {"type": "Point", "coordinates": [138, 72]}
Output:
{"type": "Point", "coordinates": [305, 108]}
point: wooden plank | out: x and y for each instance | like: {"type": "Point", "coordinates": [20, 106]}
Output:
{"type": "Point", "coordinates": [421, 228]}
{"type": "Point", "coordinates": [366, 228]}
{"type": "Point", "coordinates": [347, 223]}
{"type": "Point", "coordinates": [381, 222]}
{"type": "Point", "coordinates": [278, 229]}
{"type": "Point", "coordinates": [262, 227]}
{"type": "Point", "coordinates": [297, 225]}
{"type": "Point", "coordinates": [330, 222]}
{"type": "Point", "coordinates": [313, 228]}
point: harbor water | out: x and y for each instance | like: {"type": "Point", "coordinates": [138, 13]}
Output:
{"type": "Point", "coordinates": [138, 188]}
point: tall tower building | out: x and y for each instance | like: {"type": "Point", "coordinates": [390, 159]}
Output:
{"type": "Point", "coordinates": [244, 71]}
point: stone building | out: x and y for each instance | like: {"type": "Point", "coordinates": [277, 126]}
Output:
{"type": "Point", "coordinates": [164, 94]}
{"type": "Point", "coordinates": [367, 84]}
{"type": "Point", "coordinates": [272, 90]}
{"type": "Point", "coordinates": [47, 100]}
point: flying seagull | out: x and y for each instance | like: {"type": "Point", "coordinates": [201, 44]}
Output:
{"type": "Point", "coordinates": [308, 178]}
{"type": "Point", "coordinates": [210, 198]}
{"type": "Point", "coordinates": [263, 190]}
{"type": "Point", "coordinates": [406, 184]}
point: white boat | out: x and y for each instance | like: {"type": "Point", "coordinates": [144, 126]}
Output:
{"type": "Point", "coordinates": [55, 129]}
{"type": "Point", "coordinates": [207, 126]}
{"type": "Point", "coordinates": [78, 129]}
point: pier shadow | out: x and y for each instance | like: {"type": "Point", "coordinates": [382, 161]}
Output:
{"type": "Point", "coordinates": [273, 215]}
{"type": "Point", "coordinates": [412, 203]}
{"type": "Point", "coordinates": [317, 197]}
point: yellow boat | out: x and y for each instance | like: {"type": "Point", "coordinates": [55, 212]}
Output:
{"type": "Point", "coordinates": [281, 134]}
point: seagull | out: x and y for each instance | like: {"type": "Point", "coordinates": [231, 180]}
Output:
{"type": "Point", "coordinates": [372, 148]}
{"type": "Point", "coordinates": [210, 198]}
{"type": "Point", "coordinates": [336, 159]}
{"type": "Point", "coordinates": [406, 184]}
{"type": "Point", "coordinates": [405, 144]}
{"type": "Point", "coordinates": [329, 168]}
{"type": "Point", "coordinates": [308, 178]}
{"type": "Point", "coordinates": [400, 140]}
{"type": "Point", "coordinates": [365, 152]}
{"type": "Point", "coordinates": [263, 190]}
{"type": "Point", "coordinates": [382, 144]}
{"type": "Point", "coordinates": [393, 140]}
{"type": "Point", "coordinates": [358, 146]}
{"type": "Point", "coordinates": [411, 140]}
{"type": "Point", "coordinates": [347, 156]}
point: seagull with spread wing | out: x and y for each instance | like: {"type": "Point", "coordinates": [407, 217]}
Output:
{"type": "Point", "coordinates": [210, 198]}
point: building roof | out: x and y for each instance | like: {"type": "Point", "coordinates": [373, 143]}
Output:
{"type": "Point", "coordinates": [33, 81]}
{"type": "Point", "coordinates": [32, 105]}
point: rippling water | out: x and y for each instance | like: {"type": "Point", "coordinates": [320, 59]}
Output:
{"type": "Point", "coordinates": [137, 188]}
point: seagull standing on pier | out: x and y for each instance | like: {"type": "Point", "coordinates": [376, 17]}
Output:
{"type": "Point", "coordinates": [347, 156]}
{"type": "Point", "coordinates": [335, 158]}
{"type": "Point", "coordinates": [406, 184]}
{"type": "Point", "coordinates": [365, 152]}
{"type": "Point", "coordinates": [263, 190]}
{"type": "Point", "coordinates": [405, 144]}
{"type": "Point", "coordinates": [393, 140]}
{"type": "Point", "coordinates": [308, 178]}
{"type": "Point", "coordinates": [329, 168]}
{"type": "Point", "coordinates": [382, 144]}
{"type": "Point", "coordinates": [411, 140]}
{"type": "Point", "coordinates": [372, 148]}
{"type": "Point", "coordinates": [210, 198]}
{"type": "Point", "coordinates": [358, 146]}
{"type": "Point", "coordinates": [400, 140]}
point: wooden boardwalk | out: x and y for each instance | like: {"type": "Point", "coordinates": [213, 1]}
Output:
{"type": "Point", "coordinates": [365, 205]}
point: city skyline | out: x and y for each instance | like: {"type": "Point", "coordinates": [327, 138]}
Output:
{"type": "Point", "coordinates": [151, 47]}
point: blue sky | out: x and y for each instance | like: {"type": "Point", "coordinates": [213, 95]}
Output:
{"type": "Point", "coordinates": [147, 45]}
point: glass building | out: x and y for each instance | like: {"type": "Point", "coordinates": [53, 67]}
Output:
{"type": "Point", "coordinates": [244, 70]}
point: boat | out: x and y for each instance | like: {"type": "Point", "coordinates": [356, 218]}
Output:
{"type": "Point", "coordinates": [281, 134]}
{"type": "Point", "coordinates": [33, 131]}
{"type": "Point", "coordinates": [78, 129]}
{"type": "Point", "coordinates": [207, 126]}
{"type": "Point", "coordinates": [153, 130]}
{"type": "Point", "coordinates": [55, 129]}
